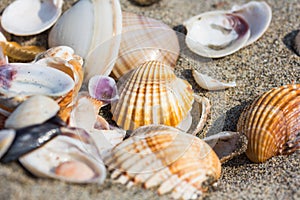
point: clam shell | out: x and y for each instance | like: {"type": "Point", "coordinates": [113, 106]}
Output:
{"type": "Point", "coordinates": [30, 17]}
{"type": "Point", "coordinates": [49, 160]}
{"type": "Point", "coordinates": [258, 15]}
{"type": "Point", "coordinates": [163, 156]}
{"type": "Point", "coordinates": [152, 94]}
{"type": "Point", "coordinates": [271, 123]}
{"type": "Point", "coordinates": [216, 34]}
{"type": "Point", "coordinates": [145, 39]}
{"type": "Point", "coordinates": [92, 28]}
{"type": "Point", "coordinates": [35, 110]}
{"type": "Point", "coordinates": [21, 80]}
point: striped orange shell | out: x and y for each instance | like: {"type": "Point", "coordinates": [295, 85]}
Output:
{"type": "Point", "coordinates": [152, 94]}
{"type": "Point", "coordinates": [145, 39]}
{"type": "Point", "coordinates": [163, 156]}
{"type": "Point", "coordinates": [272, 123]}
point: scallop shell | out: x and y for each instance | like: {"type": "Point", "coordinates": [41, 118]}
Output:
{"type": "Point", "coordinates": [92, 28]}
{"type": "Point", "coordinates": [271, 123]}
{"type": "Point", "coordinates": [165, 157]}
{"type": "Point", "coordinates": [35, 110]}
{"type": "Point", "coordinates": [18, 81]}
{"type": "Point", "coordinates": [30, 17]}
{"type": "Point", "coordinates": [152, 94]}
{"type": "Point", "coordinates": [67, 158]}
{"type": "Point", "coordinates": [145, 39]}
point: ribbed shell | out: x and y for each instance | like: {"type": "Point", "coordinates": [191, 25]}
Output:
{"type": "Point", "coordinates": [271, 121]}
{"type": "Point", "coordinates": [163, 156]}
{"type": "Point", "coordinates": [152, 94]}
{"type": "Point", "coordinates": [145, 39]}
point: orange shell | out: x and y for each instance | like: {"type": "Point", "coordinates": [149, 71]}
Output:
{"type": "Point", "coordinates": [272, 123]}
{"type": "Point", "coordinates": [152, 94]}
{"type": "Point", "coordinates": [163, 156]}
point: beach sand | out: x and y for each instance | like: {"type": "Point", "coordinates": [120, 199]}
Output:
{"type": "Point", "coordinates": [267, 63]}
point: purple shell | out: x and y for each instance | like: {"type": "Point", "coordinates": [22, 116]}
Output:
{"type": "Point", "coordinates": [103, 88]}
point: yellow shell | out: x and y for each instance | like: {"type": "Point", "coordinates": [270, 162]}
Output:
{"type": "Point", "coordinates": [152, 94]}
{"type": "Point", "coordinates": [272, 123]}
{"type": "Point", "coordinates": [163, 156]}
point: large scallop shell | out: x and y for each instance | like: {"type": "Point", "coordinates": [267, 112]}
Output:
{"type": "Point", "coordinates": [271, 123]}
{"type": "Point", "coordinates": [152, 94]}
{"type": "Point", "coordinates": [145, 39]}
{"type": "Point", "coordinates": [30, 17]}
{"type": "Point", "coordinates": [163, 156]}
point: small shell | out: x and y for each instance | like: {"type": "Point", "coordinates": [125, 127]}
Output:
{"type": "Point", "coordinates": [64, 153]}
{"type": "Point", "coordinates": [18, 81]}
{"type": "Point", "coordinates": [297, 44]}
{"type": "Point", "coordinates": [103, 88]}
{"type": "Point", "coordinates": [6, 139]}
{"type": "Point", "coordinates": [209, 83]}
{"type": "Point", "coordinates": [145, 39]}
{"type": "Point", "coordinates": [271, 123]}
{"type": "Point", "coordinates": [35, 110]}
{"type": "Point", "coordinates": [166, 157]}
{"type": "Point", "coordinates": [30, 17]}
{"type": "Point", "coordinates": [145, 2]}
{"type": "Point", "coordinates": [152, 94]}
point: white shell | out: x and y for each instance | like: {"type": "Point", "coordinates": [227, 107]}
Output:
{"type": "Point", "coordinates": [30, 17]}
{"type": "Point", "coordinates": [35, 110]}
{"type": "Point", "coordinates": [6, 138]}
{"type": "Point", "coordinates": [208, 83]}
{"type": "Point", "coordinates": [43, 161]}
{"type": "Point", "coordinates": [258, 15]}
{"type": "Point", "coordinates": [92, 28]}
{"type": "Point", "coordinates": [216, 34]}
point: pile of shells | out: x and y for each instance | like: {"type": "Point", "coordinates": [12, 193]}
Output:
{"type": "Point", "coordinates": [49, 107]}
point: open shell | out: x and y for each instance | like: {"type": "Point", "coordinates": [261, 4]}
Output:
{"type": "Point", "coordinates": [64, 153]}
{"type": "Point", "coordinates": [152, 94]}
{"type": "Point", "coordinates": [163, 156]}
{"type": "Point", "coordinates": [272, 123]}
{"type": "Point", "coordinates": [145, 39]}
{"type": "Point", "coordinates": [30, 17]}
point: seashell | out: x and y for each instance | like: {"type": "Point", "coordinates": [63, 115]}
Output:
{"type": "Point", "coordinates": [30, 17]}
{"type": "Point", "coordinates": [254, 12]}
{"type": "Point", "coordinates": [35, 110]}
{"type": "Point", "coordinates": [144, 2]}
{"type": "Point", "coordinates": [103, 88]}
{"type": "Point", "coordinates": [163, 156]}
{"type": "Point", "coordinates": [220, 33]}
{"type": "Point", "coordinates": [152, 94]}
{"type": "Point", "coordinates": [145, 39]}
{"type": "Point", "coordinates": [67, 158]}
{"type": "Point", "coordinates": [227, 144]}
{"type": "Point", "coordinates": [29, 138]}
{"type": "Point", "coordinates": [271, 123]}
{"type": "Point", "coordinates": [297, 43]}
{"type": "Point", "coordinates": [3, 57]}
{"type": "Point", "coordinates": [18, 81]}
{"type": "Point", "coordinates": [209, 83]}
{"type": "Point", "coordinates": [6, 139]}
{"type": "Point", "coordinates": [92, 29]}
{"type": "Point", "coordinates": [20, 53]}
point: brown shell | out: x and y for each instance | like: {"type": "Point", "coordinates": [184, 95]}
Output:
{"type": "Point", "coordinates": [164, 156]}
{"type": "Point", "coordinates": [145, 39]}
{"type": "Point", "coordinates": [272, 123]}
{"type": "Point", "coordinates": [152, 94]}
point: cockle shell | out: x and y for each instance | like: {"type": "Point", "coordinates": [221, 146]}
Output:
{"type": "Point", "coordinates": [70, 157]}
{"type": "Point", "coordinates": [93, 29]}
{"type": "Point", "coordinates": [145, 39]}
{"type": "Point", "coordinates": [152, 94]}
{"type": "Point", "coordinates": [163, 156]}
{"type": "Point", "coordinates": [271, 123]}
{"type": "Point", "coordinates": [18, 81]}
{"type": "Point", "coordinates": [35, 110]}
{"type": "Point", "coordinates": [30, 17]}
{"type": "Point", "coordinates": [220, 33]}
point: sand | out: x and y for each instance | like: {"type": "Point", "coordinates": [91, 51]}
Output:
{"type": "Point", "coordinates": [267, 63]}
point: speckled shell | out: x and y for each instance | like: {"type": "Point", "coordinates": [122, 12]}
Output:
{"type": "Point", "coordinates": [163, 156]}
{"type": "Point", "coordinates": [145, 39]}
{"type": "Point", "coordinates": [152, 94]}
{"type": "Point", "coordinates": [272, 123]}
